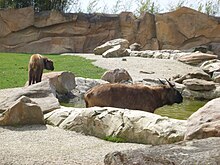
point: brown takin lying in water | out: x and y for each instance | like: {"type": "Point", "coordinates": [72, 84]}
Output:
{"type": "Point", "coordinates": [132, 96]}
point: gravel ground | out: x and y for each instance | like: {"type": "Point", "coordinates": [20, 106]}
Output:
{"type": "Point", "coordinates": [51, 145]}
{"type": "Point", "coordinates": [161, 68]}
{"type": "Point", "coordinates": [39, 144]}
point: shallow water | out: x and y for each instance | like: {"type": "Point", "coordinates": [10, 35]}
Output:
{"type": "Point", "coordinates": [177, 111]}
{"type": "Point", "coordinates": [181, 111]}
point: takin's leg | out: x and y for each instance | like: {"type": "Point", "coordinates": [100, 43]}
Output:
{"type": "Point", "coordinates": [31, 77]}
{"type": "Point", "coordinates": [39, 75]}
{"type": "Point", "coordinates": [34, 78]}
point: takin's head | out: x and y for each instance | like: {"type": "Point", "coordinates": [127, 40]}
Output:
{"type": "Point", "coordinates": [48, 64]}
{"type": "Point", "coordinates": [172, 94]}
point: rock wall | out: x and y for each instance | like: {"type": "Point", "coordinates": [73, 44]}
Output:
{"type": "Point", "coordinates": [22, 30]}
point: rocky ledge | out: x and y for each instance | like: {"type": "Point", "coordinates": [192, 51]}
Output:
{"type": "Point", "coordinates": [206, 151]}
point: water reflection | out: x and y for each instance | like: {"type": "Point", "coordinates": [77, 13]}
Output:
{"type": "Point", "coordinates": [181, 111]}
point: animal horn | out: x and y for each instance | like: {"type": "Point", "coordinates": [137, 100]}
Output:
{"type": "Point", "coordinates": [161, 81]}
{"type": "Point", "coordinates": [171, 85]}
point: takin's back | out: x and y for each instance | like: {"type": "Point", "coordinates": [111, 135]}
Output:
{"type": "Point", "coordinates": [132, 96]}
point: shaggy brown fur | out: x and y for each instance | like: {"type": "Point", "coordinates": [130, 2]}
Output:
{"type": "Point", "coordinates": [36, 66]}
{"type": "Point", "coordinates": [138, 97]}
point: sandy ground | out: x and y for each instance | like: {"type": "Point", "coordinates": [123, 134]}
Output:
{"type": "Point", "coordinates": [38, 144]}
{"type": "Point", "coordinates": [51, 145]}
{"type": "Point", "coordinates": [159, 68]}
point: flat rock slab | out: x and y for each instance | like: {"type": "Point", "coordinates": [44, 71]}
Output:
{"type": "Point", "coordinates": [199, 84]}
{"type": "Point", "coordinates": [206, 151]}
{"type": "Point", "coordinates": [41, 93]}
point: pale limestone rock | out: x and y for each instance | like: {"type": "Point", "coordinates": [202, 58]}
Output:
{"type": "Point", "coordinates": [197, 74]}
{"type": "Point", "coordinates": [131, 125]}
{"type": "Point", "coordinates": [116, 51]}
{"type": "Point", "coordinates": [116, 76]}
{"type": "Point", "coordinates": [208, 95]}
{"type": "Point", "coordinates": [135, 47]}
{"type": "Point", "coordinates": [23, 111]}
{"type": "Point", "coordinates": [63, 82]}
{"type": "Point", "coordinates": [196, 58]}
{"type": "Point", "coordinates": [111, 44]}
{"type": "Point", "coordinates": [42, 93]}
{"type": "Point", "coordinates": [204, 122]}
{"type": "Point", "coordinates": [211, 66]}
{"type": "Point", "coordinates": [205, 151]}
{"type": "Point", "coordinates": [199, 84]}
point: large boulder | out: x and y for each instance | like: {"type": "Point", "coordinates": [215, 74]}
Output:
{"type": "Point", "coordinates": [116, 76]}
{"type": "Point", "coordinates": [130, 125]}
{"type": "Point", "coordinates": [84, 84]}
{"type": "Point", "coordinates": [41, 93]}
{"type": "Point", "coordinates": [23, 111]}
{"type": "Point", "coordinates": [76, 97]}
{"type": "Point", "coordinates": [205, 151]}
{"type": "Point", "coordinates": [205, 122]}
{"type": "Point", "coordinates": [63, 82]}
{"type": "Point", "coordinates": [197, 58]}
{"type": "Point", "coordinates": [116, 51]}
{"type": "Point", "coordinates": [111, 44]}
{"type": "Point", "coordinates": [199, 84]}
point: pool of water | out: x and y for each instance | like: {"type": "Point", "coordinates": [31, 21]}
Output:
{"type": "Point", "coordinates": [177, 111]}
{"type": "Point", "coordinates": [181, 111]}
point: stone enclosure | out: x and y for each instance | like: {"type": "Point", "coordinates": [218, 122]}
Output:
{"type": "Point", "coordinates": [54, 32]}
{"type": "Point", "coordinates": [22, 30]}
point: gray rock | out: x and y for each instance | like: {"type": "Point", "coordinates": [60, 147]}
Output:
{"type": "Point", "coordinates": [116, 51]}
{"type": "Point", "coordinates": [136, 53]}
{"type": "Point", "coordinates": [84, 84]}
{"type": "Point", "coordinates": [211, 66]}
{"type": "Point", "coordinates": [199, 85]}
{"type": "Point", "coordinates": [110, 44]}
{"type": "Point", "coordinates": [116, 76]}
{"type": "Point", "coordinates": [23, 111]}
{"type": "Point", "coordinates": [198, 75]}
{"type": "Point", "coordinates": [196, 58]}
{"type": "Point", "coordinates": [42, 93]}
{"type": "Point", "coordinates": [206, 151]}
{"type": "Point", "coordinates": [204, 122]}
{"type": "Point", "coordinates": [135, 47]}
{"type": "Point", "coordinates": [131, 125]}
{"type": "Point", "coordinates": [208, 95]}
{"type": "Point", "coordinates": [63, 82]}
{"type": "Point", "coordinates": [217, 79]}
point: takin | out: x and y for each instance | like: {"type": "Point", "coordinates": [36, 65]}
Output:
{"type": "Point", "coordinates": [133, 96]}
{"type": "Point", "coordinates": [36, 66]}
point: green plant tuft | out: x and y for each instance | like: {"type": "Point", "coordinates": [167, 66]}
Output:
{"type": "Point", "coordinates": [114, 139]}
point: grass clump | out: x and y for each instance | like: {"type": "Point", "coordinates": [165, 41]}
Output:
{"type": "Point", "coordinates": [114, 139]}
{"type": "Point", "coordinates": [14, 68]}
